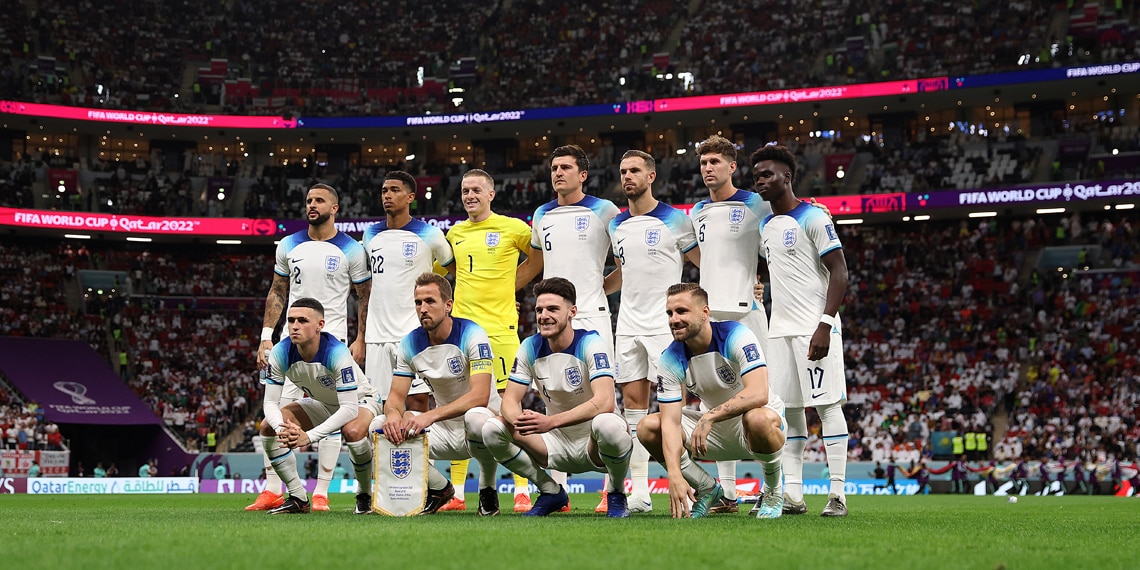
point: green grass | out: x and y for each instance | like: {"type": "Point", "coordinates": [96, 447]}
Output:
{"type": "Point", "coordinates": [212, 531]}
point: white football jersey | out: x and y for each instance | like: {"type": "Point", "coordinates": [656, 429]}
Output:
{"type": "Point", "coordinates": [563, 378]}
{"type": "Point", "coordinates": [793, 245]}
{"type": "Point", "coordinates": [574, 244]}
{"type": "Point", "coordinates": [325, 271]}
{"type": "Point", "coordinates": [651, 250]}
{"type": "Point", "coordinates": [448, 367]}
{"type": "Point", "coordinates": [331, 374]}
{"type": "Point", "coordinates": [729, 235]}
{"type": "Point", "coordinates": [397, 256]}
{"type": "Point", "coordinates": [714, 375]}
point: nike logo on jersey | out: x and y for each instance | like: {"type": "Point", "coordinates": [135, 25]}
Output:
{"type": "Point", "coordinates": [375, 249]}
{"type": "Point", "coordinates": [291, 260]}
{"type": "Point", "coordinates": [620, 240]}
{"type": "Point", "coordinates": [544, 228]}
{"type": "Point", "coordinates": [459, 241]}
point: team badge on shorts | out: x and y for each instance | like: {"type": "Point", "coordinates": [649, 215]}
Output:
{"type": "Point", "coordinates": [332, 263]}
{"type": "Point", "coordinates": [736, 216]}
{"type": "Point", "coordinates": [492, 239]}
{"type": "Point", "coordinates": [726, 374]}
{"type": "Point", "coordinates": [455, 365]}
{"type": "Point", "coordinates": [401, 462]}
{"type": "Point", "coordinates": [573, 377]}
{"type": "Point", "coordinates": [409, 249]}
{"type": "Point", "coordinates": [652, 237]}
{"type": "Point", "coordinates": [582, 223]}
{"type": "Point", "coordinates": [789, 237]}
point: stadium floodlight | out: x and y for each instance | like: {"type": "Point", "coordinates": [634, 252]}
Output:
{"type": "Point", "coordinates": [228, 242]}
{"type": "Point", "coordinates": [1050, 210]}
{"type": "Point", "coordinates": [1125, 206]}
{"type": "Point", "coordinates": [849, 221]}
{"type": "Point", "coordinates": [140, 239]}
{"type": "Point", "coordinates": [983, 214]}
{"type": "Point", "coordinates": [77, 236]}
{"type": "Point", "coordinates": [921, 218]}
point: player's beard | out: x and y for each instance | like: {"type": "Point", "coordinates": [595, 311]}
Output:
{"type": "Point", "coordinates": [636, 193]}
{"type": "Point", "coordinates": [320, 220]}
{"type": "Point", "coordinates": [688, 331]}
{"type": "Point", "coordinates": [558, 328]}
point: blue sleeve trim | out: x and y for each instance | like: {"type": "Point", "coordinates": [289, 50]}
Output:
{"type": "Point", "coordinates": [601, 375]}
{"type": "Point", "coordinates": [753, 367]}
{"type": "Point", "coordinates": [350, 389]}
{"type": "Point", "coordinates": [829, 250]}
{"type": "Point", "coordinates": [660, 401]}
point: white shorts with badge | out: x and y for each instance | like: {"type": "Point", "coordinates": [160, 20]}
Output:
{"type": "Point", "coordinates": [379, 366]}
{"type": "Point", "coordinates": [726, 441]}
{"type": "Point", "coordinates": [637, 356]}
{"type": "Point", "coordinates": [600, 324]}
{"type": "Point", "coordinates": [756, 320]}
{"type": "Point", "coordinates": [318, 411]}
{"type": "Point", "coordinates": [569, 450]}
{"type": "Point", "coordinates": [803, 383]}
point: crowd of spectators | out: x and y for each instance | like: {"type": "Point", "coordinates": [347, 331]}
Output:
{"type": "Point", "coordinates": [361, 58]}
{"type": "Point", "coordinates": [23, 426]}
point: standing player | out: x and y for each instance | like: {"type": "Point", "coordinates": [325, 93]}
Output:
{"type": "Point", "coordinates": [650, 241]}
{"type": "Point", "coordinates": [580, 432]}
{"type": "Point", "coordinates": [720, 362]}
{"type": "Point", "coordinates": [727, 226]}
{"type": "Point", "coordinates": [809, 278]}
{"type": "Point", "coordinates": [487, 248]}
{"type": "Point", "coordinates": [338, 398]}
{"type": "Point", "coordinates": [400, 249]}
{"type": "Point", "coordinates": [569, 239]}
{"type": "Point", "coordinates": [322, 263]}
{"type": "Point", "coordinates": [454, 356]}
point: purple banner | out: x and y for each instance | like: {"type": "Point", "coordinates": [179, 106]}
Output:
{"type": "Point", "coordinates": [72, 383]}
{"type": "Point", "coordinates": [1029, 195]}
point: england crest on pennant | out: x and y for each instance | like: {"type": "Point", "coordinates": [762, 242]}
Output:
{"type": "Point", "coordinates": [401, 462]}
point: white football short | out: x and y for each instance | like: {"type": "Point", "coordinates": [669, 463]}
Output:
{"type": "Point", "coordinates": [601, 324]}
{"type": "Point", "coordinates": [568, 450]}
{"type": "Point", "coordinates": [319, 411]}
{"type": "Point", "coordinates": [637, 356]}
{"type": "Point", "coordinates": [726, 441]}
{"type": "Point", "coordinates": [805, 383]}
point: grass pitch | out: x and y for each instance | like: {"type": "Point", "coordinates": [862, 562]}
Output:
{"type": "Point", "coordinates": [212, 531]}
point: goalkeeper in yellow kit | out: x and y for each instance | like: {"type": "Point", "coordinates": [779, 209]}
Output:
{"type": "Point", "coordinates": [487, 247]}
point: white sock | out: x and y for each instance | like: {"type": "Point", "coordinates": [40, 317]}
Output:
{"type": "Point", "coordinates": [360, 453]}
{"type": "Point", "coordinates": [773, 469]}
{"type": "Point", "coordinates": [794, 453]}
{"type": "Point", "coordinates": [284, 462]}
{"type": "Point", "coordinates": [835, 440]}
{"type": "Point", "coordinates": [328, 454]}
{"type": "Point", "coordinates": [639, 460]}
{"type": "Point", "coordinates": [272, 481]}
{"type": "Point", "coordinates": [696, 475]}
{"type": "Point", "coordinates": [727, 472]}
{"type": "Point", "coordinates": [559, 477]}
{"type": "Point", "coordinates": [498, 439]}
{"type": "Point", "coordinates": [614, 446]}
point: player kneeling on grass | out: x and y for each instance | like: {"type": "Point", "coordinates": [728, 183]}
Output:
{"type": "Point", "coordinates": [338, 398]}
{"type": "Point", "coordinates": [580, 431]}
{"type": "Point", "coordinates": [720, 362]}
{"type": "Point", "coordinates": [454, 357]}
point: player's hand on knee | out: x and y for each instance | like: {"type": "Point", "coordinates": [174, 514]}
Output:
{"type": "Point", "coordinates": [698, 443]}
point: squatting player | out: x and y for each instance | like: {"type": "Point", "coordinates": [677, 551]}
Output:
{"type": "Point", "coordinates": [338, 399]}
{"type": "Point", "coordinates": [721, 362]}
{"type": "Point", "coordinates": [808, 280]}
{"type": "Point", "coordinates": [454, 356]}
{"type": "Point", "coordinates": [580, 432]}
{"type": "Point", "coordinates": [569, 239]}
{"type": "Point", "coordinates": [321, 263]}
{"type": "Point", "coordinates": [651, 241]}
{"type": "Point", "coordinates": [487, 248]}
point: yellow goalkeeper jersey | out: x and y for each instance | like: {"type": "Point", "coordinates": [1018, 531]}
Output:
{"type": "Point", "coordinates": [486, 261]}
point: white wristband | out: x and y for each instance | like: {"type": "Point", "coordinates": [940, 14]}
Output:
{"type": "Point", "coordinates": [266, 334]}
{"type": "Point", "coordinates": [830, 320]}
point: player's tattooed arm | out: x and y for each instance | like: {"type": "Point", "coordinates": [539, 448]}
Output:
{"type": "Point", "coordinates": [363, 293]}
{"type": "Point", "coordinates": [274, 306]}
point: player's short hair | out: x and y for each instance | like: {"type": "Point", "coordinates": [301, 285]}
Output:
{"type": "Point", "coordinates": [408, 180]}
{"type": "Point", "coordinates": [330, 189]}
{"type": "Point", "coordinates": [717, 144]}
{"type": "Point", "coordinates": [650, 163]}
{"type": "Point", "coordinates": [699, 294]}
{"type": "Point", "coordinates": [557, 286]}
{"type": "Point", "coordinates": [574, 151]}
{"type": "Point", "coordinates": [440, 281]}
{"type": "Point", "coordinates": [309, 303]}
{"type": "Point", "coordinates": [478, 172]}
{"type": "Point", "coordinates": [776, 153]}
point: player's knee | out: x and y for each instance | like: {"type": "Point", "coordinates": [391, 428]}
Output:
{"type": "Point", "coordinates": [354, 431]}
{"type": "Point", "coordinates": [763, 426]}
{"type": "Point", "coordinates": [473, 421]}
{"type": "Point", "coordinates": [609, 428]}
{"type": "Point", "coordinates": [266, 429]}
{"type": "Point", "coordinates": [495, 433]}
